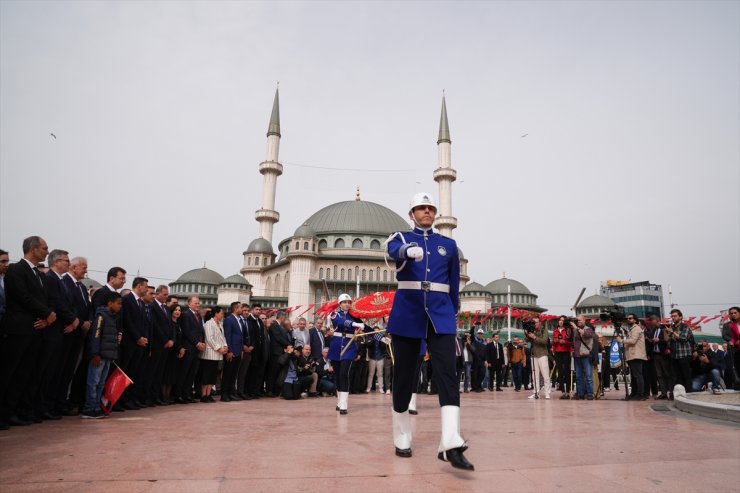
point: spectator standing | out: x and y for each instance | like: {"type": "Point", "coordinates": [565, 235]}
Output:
{"type": "Point", "coordinates": [540, 358]}
{"type": "Point", "coordinates": [518, 361]}
{"type": "Point", "coordinates": [562, 348]}
{"type": "Point", "coordinates": [495, 361]}
{"type": "Point", "coordinates": [235, 343]}
{"type": "Point", "coordinates": [731, 335]}
{"type": "Point", "coordinates": [212, 354]}
{"type": "Point", "coordinates": [681, 344]}
{"type": "Point", "coordinates": [583, 340]}
{"type": "Point", "coordinates": [4, 263]}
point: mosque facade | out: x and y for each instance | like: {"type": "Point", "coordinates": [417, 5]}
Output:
{"type": "Point", "coordinates": [338, 249]}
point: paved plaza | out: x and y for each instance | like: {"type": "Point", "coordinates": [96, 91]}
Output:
{"type": "Point", "coordinates": [273, 445]}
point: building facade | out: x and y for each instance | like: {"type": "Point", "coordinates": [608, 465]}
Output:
{"type": "Point", "coordinates": [641, 298]}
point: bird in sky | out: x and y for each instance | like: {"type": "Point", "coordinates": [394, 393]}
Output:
{"type": "Point", "coordinates": [55, 137]}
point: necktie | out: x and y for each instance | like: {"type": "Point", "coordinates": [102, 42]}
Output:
{"type": "Point", "coordinates": [82, 291]}
{"type": "Point", "coordinates": [245, 331]}
{"type": "Point", "coordinates": [496, 349]}
{"type": "Point", "coordinates": [38, 276]}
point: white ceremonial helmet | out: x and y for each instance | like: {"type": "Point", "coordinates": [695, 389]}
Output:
{"type": "Point", "coordinates": [344, 297]}
{"type": "Point", "coordinates": [421, 198]}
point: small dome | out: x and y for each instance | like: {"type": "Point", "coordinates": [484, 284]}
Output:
{"type": "Point", "coordinates": [596, 301]}
{"type": "Point", "coordinates": [500, 286]}
{"type": "Point", "coordinates": [473, 286]}
{"type": "Point", "coordinates": [236, 279]}
{"type": "Point", "coordinates": [305, 230]}
{"type": "Point", "coordinates": [91, 283]}
{"type": "Point", "coordinates": [260, 245]}
{"type": "Point", "coordinates": [202, 275]}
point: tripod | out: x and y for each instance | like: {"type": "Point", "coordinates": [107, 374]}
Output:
{"type": "Point", "coordinates": [622, 363]}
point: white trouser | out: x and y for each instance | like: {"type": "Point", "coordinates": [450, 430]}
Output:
{"type": "Point", "coordinates": [342, 398]}
{"type": "Point", "coordinates": [401, 430]}
{"type": "Point", "coordinates": [542, 368]}
{"type": "Point", "coordinates": [450, 429]}
{"type": "Point", "coordinates": [375, 366]}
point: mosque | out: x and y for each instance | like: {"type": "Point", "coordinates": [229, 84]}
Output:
{"type": "Point", "coordinates": [338, 249]}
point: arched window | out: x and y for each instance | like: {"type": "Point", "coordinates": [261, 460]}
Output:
{"type": "Point", "coordinates": [341, 275]}
{"type": "Point", "coordinates": [256, 260]}
{"type": "Point", "coordinates": [286, 284]}
{"type": "Point", "coordinates": [371, 275]}
{"type": "Point", "coordinates": [377, 273]}
{"type": "Point", "coordinates": [375, 245]}
{"type": "Point", "coordinates": [321, 273]}
{"type": "Point", "coordinates": [328, 273]}
{"type": "Point", "coordinates": [349, 274]}
{"type": "Point", "coordinates": [357, 243]}
{"type": "Point", "coordinates": [335, 272]}
{"type": "Point", "coordinates": [364, 274]}
{"type": "Point", "coordinates": [297, 244]}
{"type": "Point", "coordinates": [305, 245]}
{"type": "Point", "coordinates": [276, 288]}
{"type": "Point", "coordinates": [385, 275]}
{"type": "Point", "coordinates": [322, 245]}
{"type": "Point", "coordinates": [339, 243]}
{"type": "Point", "coordinates": [249, 260]}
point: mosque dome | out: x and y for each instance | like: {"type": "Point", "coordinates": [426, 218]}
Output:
{"type": "Point", "coordinates": [473, 287]}
{"type": "Point", "coordinates": [235, 280]}
{"type": "Point", "coordinates": [356, 216]}
{"type": "Point", "coordinates": [500, 286]}
{"type": "Point", "coordinates": [202, 275]}
{"type": "Point", "coordinates": [596, 301]}
{"type": "Point", "coordinates": [259, 245]}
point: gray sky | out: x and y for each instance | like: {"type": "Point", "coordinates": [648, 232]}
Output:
{"type": "Point", "coordinates": [631, 168]}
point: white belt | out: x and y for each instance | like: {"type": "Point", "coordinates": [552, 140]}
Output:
{"type": "Point", "coordinates": [424, 286]}
{"type": "Point", "coordinates": [343, 335]}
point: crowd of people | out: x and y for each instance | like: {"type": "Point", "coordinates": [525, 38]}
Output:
{"type": "Point", "coordinates": [60, 342]}
{"type": "Point", "coordinates": [576, 360]}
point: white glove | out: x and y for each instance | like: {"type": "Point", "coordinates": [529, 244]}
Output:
{"type": "Point", "coordinates": [385, 340]}
{"type": "Point", "coordinates": [358, 325]}
{"type": "Point", "coordinates": [416, 253]}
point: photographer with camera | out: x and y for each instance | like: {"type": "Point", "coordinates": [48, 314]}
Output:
{"type": "Point", "coordinates": [681, 342]}
{"type": "Point", "coordinates": [583, 339]}
{"type": "Point", "coordinates": [537, 335]}
{"type": "Point", "coordinates": [709, 364]}
{"type": "Point", "coordinates": [561, 349]}
{"type": "Point", "coordinates": [467, 355]}
{"type": "Point", "coordinates": [634, 351]}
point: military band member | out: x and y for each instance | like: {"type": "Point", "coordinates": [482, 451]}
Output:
{"type": "Point", "coordinates": [425, 307]}
{"type": "Point", "coordinates": [345, 326]}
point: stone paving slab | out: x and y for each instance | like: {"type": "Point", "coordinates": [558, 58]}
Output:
{"type": "Point", "coordinates": [273, 445]}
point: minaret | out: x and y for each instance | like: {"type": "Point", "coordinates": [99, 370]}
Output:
{"type": "Point", "coordinates": [445, 175]}
{"type": "Point", "coordinates": [270, 168]}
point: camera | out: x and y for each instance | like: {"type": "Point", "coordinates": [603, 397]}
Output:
{"type": "Point", "coordinates": [617, 317]}
{"type": "Point", "coordinates": [699, 349]}
{"type": "Point", "coordinates": [529, 326]}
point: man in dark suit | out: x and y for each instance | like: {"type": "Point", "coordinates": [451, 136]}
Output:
{"type": "Point", "coordinates": [163, 339]}
{"type": "Point", "coordinates": [193, 341]}
{"type": "Point", "coordinates": [27, 311]}
{"type": "Point", "coordinates": [280, 338]}
{"type": "Point", "coordinates": [135, 343]}
{"type": "Point", "coordinates": [46, 368]}
{"type": "Point", "coordinates": [73, 343]}
{"type": "Point", "coordinates": [235, 342]}
{"type": "Point", "coordinates": [4, 263]}
{"type": "Point", "coordinates": [317, 339]}
{"type": "Point", "coordinates": [479, 359]}
{"type": "Point", "coordinates": [246, 359]}
{"type": "Point", "coordinates": [255, 373]}
{"type": "Point", "coordinates": [495, 362]}
{"type": "Point", "coordinates": [115, 280]}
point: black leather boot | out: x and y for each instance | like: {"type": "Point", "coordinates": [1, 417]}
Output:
{"type": "Point", "coordinates": [456, 458]}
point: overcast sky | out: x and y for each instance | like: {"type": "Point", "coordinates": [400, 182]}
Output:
{"type": "Point", "coordinates": [630, 169]}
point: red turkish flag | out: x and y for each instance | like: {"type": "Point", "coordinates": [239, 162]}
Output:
{"type": "Point", "coordinates": [114, 387]}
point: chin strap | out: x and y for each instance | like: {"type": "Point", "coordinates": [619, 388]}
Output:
{"type": "Point", "coordinates": [385, 247]}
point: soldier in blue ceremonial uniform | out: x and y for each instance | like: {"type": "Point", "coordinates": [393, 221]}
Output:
{"type": "Point", "coordinates": [425, 307]}
{"type": "Point", "coordinates": [345, 326]}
